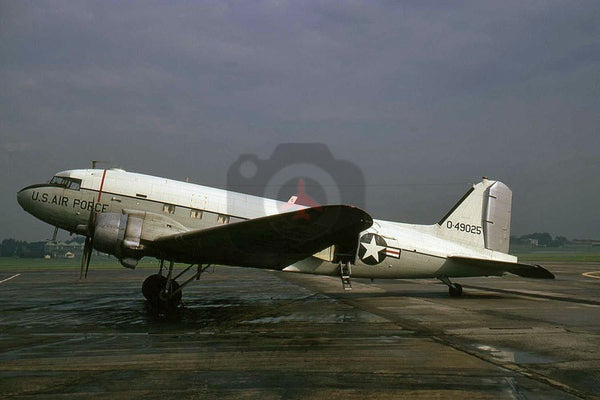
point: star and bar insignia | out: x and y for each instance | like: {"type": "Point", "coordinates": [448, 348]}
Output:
{"type": "Point", "coordinates": [374, 249]}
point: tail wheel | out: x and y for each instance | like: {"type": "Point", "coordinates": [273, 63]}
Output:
{"type": "Point", "coordinates": [154, 291]}
{"type": "Point", "coordinates": [455, 290]}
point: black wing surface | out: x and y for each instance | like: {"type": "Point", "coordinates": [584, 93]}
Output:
{"type": "Point", "coordinates": [274, 241]}
{"type": "Point", "coordinates": [498, 267]}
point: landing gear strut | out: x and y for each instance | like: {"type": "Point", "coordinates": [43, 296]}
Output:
{"type": "Point", "coordinates": [163, 292]}
{"type": "Point", "coordinates": [345, 271]}
{"type": "Point", "coordinates": [454, 289]}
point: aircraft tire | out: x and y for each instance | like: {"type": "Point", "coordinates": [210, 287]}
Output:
{"type": "Point", "coordinates": [455, 290]}
{"type": "Point", "coordinates": [152, 289]}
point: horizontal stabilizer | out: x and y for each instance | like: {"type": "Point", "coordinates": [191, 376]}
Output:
{"type": "Point", "coordinates": [497, 267]}
{"type": "Point", "coordinates": [274, 241]}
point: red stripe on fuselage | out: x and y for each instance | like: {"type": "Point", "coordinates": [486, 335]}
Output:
{"type": "Point", "coordinates": [101, 186]}
{"type": "Point", "coordinates": [99, 195]}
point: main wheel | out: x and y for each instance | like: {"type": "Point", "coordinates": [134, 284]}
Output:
{"type": "Point", "coordinates": [455, 290]}
{"type": "Point", "coordinates": [154, 291]}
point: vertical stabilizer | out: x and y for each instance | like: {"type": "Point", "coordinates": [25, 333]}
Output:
{"type": "Point", "coordinates": [496, 217]}
{"type": "Point", "coordinates": [481, 218]}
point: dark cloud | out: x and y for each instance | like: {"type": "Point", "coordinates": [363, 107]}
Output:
{"type": "Point", "coordinates": [413, 92]}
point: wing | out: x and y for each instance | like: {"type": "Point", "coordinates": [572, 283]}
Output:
{"type": "Point", "coordinates": [274, 241]}
{"type": "Point", "coordinates": [492, 267]}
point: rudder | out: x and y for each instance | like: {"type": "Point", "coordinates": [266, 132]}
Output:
{"type": "Point", "coordinates": [481, 218]}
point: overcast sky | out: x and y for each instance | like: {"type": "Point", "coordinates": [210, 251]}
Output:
{"type": "Point", "coordinates": [425, 97]}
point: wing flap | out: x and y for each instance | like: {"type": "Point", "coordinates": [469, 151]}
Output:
{"type": "Point", "coordinates": [274, 241]}
{"type": "Point", "coordinates": [497, 267]}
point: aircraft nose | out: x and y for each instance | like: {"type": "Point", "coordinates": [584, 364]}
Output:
{"type": "Point", "coordinates": [24, 197]}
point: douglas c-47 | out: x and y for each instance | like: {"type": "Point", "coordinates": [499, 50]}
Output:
{"type": "Point", "coordinates": [131, 216]}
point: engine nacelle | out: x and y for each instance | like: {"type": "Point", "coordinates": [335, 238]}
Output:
{"type": "Point", "coordinates": [119, 235]}
{"type": "Point", "coordinates": [129, 235]}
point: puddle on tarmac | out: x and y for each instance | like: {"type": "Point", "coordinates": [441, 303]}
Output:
{"type": "Point", "coordinates": [302, 317]}
{"type": "Point", "coordinates": [514, 356]}
{"type": "Point", "coordinates": [324, 318]}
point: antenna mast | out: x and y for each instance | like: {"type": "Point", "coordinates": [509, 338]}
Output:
{"type": "Point", "coordinates": [94, 162]}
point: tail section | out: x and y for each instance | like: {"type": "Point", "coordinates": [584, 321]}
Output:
{"type": "Point", "coordinates": [481, 218]}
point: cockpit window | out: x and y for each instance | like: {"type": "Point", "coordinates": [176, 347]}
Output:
{"type": "Point", "coordinates": [59, 180]}
{"type": "Point", "coordinates": [69, 183]}
{"type": "Point", "coordinates": [74, 184]}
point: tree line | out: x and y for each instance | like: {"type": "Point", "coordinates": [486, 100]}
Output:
{"type": "Point", "coordinates": [24, 249]}
{"type": "Point", "coordinates": [539, 239]}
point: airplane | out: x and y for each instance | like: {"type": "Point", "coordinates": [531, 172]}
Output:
{"type": "Point", "coordinates": [131, 216]}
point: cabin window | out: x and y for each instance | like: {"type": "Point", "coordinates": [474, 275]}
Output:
{"type": "Point", "coordinates": [169, 208]}
{"type": "Point", "coordinates": [222, 219]}
{"type": "Point", "coordinates": [196, 214]}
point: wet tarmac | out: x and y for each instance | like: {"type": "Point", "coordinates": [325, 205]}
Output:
{"type": "Point", "coordinates": [254, 334]}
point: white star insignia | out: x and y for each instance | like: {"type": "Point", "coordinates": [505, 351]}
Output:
{"type": "Point", "coordinates": [372, 249]}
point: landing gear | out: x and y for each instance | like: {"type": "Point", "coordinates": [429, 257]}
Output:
{"type": "Point", "coordinates": [160, 296]}
{"type": "Point", "coordinates": [454, 289]}
{"type": "Point", "coordinates": [163, 292]}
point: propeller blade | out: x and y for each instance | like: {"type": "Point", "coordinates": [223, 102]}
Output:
{"type": "Point", "coordinates": [82, 264]}
{"type": "Point", "coordinates": [89, 257]}
{"type": "Point", "coordinates": [88, 247]}
{"type": "Point", "coordinates": [85, 257]}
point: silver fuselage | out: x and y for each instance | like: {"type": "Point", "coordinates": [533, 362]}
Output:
{"type": "Point", "coordinates": [398, 251]}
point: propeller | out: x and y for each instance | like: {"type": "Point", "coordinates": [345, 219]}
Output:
{"type": "Point", "coordinates": [86, 257]}
{"type": "Point", "coordinates": [88, 247]}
